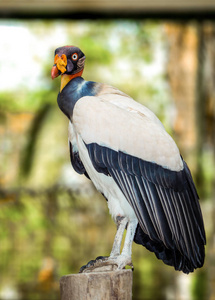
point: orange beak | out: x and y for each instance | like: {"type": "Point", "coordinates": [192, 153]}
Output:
{"type": "Point", "coordinates": [55, 72]}
{"type": "Point", "coordinates": [60, 63]}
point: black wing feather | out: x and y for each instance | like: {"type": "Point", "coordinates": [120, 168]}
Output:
{"type": "Point", "coordinates": [165, 202]}
{"type": "Point", "coordinates": [76, 161]}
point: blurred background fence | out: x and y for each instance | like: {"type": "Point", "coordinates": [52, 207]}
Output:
{"type": "Point", "coordinates": [52, 221]}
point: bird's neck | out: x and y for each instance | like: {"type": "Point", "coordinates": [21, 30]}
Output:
{"type": "Point", "coordinates": [65, 79]}
{"type": "Point", "coordinates": [73, 91]}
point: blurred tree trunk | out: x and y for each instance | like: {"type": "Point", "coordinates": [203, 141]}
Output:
{"type": "Point", "coordinates": [209, 95]}
{"type": "Point", "coordinates": [200, 107]}
{"type": "Point", "coordinates": [191, 72]}
{"type": "Point", "coordinates": [182, 69]}
{"type": "Point", "coordinates": [191, 76]}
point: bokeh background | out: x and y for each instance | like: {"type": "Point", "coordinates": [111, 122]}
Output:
{"type": "Point", "coordinates": [52, 220]}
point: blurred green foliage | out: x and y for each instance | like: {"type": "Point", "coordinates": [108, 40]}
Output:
{"type": "Point", "coordinates": [51, 221]}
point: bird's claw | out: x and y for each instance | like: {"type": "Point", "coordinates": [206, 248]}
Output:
{"type": "Point", "coordinates": [105, 263]}
{"type": "Point", "coordinates": [122, 261]}
{"type": "Point", "coordinates": [99, 262]}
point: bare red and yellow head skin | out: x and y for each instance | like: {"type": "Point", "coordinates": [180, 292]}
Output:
{"type": "Point", "coordinates": [69, 63]}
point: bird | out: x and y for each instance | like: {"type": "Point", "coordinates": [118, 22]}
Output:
{"type": "Point", "coordinates": [124, 149]}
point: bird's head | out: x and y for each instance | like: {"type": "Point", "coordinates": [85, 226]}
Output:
{"type": "Point", "coordinates": [68, 62]}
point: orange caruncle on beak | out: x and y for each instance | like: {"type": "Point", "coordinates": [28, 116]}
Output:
{"type": "Point", "coordinates": [60, 64]}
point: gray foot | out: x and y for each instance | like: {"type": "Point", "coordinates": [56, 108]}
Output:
{"type": "Point", "coordinates": [105, 263]}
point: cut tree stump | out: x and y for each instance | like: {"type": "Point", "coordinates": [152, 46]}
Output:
{"type": "Point", "coordinates": [106, 285]}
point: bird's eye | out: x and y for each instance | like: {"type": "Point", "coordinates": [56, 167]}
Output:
{"type": "Point", "coordinates": [74, 56]}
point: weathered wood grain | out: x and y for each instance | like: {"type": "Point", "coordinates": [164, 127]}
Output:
{"type": "Point", "coordinates": [109, 285]}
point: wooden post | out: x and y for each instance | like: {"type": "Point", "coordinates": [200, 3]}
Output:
{"type": "Point", "coordinates": [109, 285]}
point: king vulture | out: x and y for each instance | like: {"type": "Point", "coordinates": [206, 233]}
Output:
{"type": "Point", "coordinates": [123, 148]}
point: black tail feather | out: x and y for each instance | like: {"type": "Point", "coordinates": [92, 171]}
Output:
{"type": "Point", "coordinates": [171, 257]}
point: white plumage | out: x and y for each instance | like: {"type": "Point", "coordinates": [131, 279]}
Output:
{"type": "Point", "coordinates": [127, 128]}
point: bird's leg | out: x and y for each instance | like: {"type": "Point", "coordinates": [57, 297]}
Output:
{"type": "Point", "coordinates": [116, 260]}
{"type": "Point", "coordinates": [121, 224]}
{"type": "Point", "coordinates": [104, 260]}
{"type": "Point", "coordinates": [124, 258]}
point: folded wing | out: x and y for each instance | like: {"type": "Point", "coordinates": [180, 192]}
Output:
{"type": "Point", "coordinates": [165, 202]}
